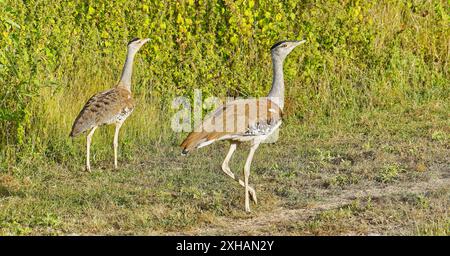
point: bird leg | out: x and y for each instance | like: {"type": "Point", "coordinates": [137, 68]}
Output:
{"type": "Point", "coordinates": [227, 170]}
{"type": "Point", "coordinates": [88, 148]}
{"type": "Point", "coordinates": [116, 142]}
{"type": "Point", "coordinates": [247, 174]}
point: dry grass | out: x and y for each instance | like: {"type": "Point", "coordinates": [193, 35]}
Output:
{"type": "Point", "coordinates": [320, 180]}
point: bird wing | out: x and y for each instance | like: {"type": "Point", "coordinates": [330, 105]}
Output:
{"type": "Point", "coordinates": [239, 118]}
{"type": "Point", "coordinates": [103, 108]}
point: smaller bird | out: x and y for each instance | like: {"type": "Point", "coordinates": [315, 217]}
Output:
{"type": "Point", "coordinates": [112, 106]}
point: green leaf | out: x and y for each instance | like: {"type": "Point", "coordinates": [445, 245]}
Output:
{"type": "Point", "coordinates": [12, 23]}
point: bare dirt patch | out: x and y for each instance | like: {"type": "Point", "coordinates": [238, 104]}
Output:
{"type": "Point", "coordinates": [268, 223]}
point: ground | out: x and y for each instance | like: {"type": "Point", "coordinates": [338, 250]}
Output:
{"type": "Point", "coordinates": [387, 174]}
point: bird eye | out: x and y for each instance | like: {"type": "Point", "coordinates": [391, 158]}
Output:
{"type": "Point", "coordinates": [284, 45]}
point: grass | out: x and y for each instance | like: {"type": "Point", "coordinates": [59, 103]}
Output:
{"type": "Point", "coordinates": [363, 149]}
{"type": "Point", "coordinates": [345, 179]}
{"type": "Point", "coordinates": [394, 214]}
{"type": "Point", "coordinates": [389, 173]}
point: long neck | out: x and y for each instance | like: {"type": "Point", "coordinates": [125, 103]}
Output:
{"type": "Point", "coordinates": [125, 79]}
{"type": "Point", "coordinates": [277, 90]}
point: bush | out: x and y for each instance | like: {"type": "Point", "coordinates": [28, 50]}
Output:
{"type": "Point", "coordinates": [360, 55]}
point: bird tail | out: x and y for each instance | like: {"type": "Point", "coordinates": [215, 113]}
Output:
{"type": "Point", "coordinates": [184, 152]}
{"type": "Point", "coordinates": [191, 142]}
{"type": "Point", "coordinates": [74, 133]}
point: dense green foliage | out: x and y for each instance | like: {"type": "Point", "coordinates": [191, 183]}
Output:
{"type": "Point", "coordinates": [360, 56]}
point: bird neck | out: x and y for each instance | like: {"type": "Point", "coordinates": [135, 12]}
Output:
{"type": "Point", "coordinates": [125, 79]}
{"type": "Point", "coordinates": [277, 91]}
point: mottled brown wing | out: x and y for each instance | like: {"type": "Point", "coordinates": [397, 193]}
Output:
{"type": "Point", "coordinates": [247, 117]}
{"type": "Point", "coordinates": [103, 108]}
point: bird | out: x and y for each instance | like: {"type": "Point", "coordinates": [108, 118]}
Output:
{"type": "Point", "coordinates": [245, 120]}
{"type": "Point", "coordinates": [112, 106]}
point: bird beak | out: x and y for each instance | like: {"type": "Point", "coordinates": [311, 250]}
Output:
{"type": "Point", "coordinates": [300, 42]}
{"type": "Point", "coordinates": [144, 41]}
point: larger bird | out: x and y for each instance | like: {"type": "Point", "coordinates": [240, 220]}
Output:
{"type": "Point", "coordinates": [250, 120]}
{"type": "Point", "coordinates": [112, 106]}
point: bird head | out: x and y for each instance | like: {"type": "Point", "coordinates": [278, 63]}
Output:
{"type": "Point", "coordinates": [136, 43]}
{"type": "Point", "coordinates": [283, 48]}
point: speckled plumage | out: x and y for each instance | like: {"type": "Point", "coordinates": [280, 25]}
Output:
{"type": "Point", "coordinates": [107, 107]}
{"type": "Point", "coordinates": [223, 123]}
{"type": "Point", "coordinates": [112, 106]}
